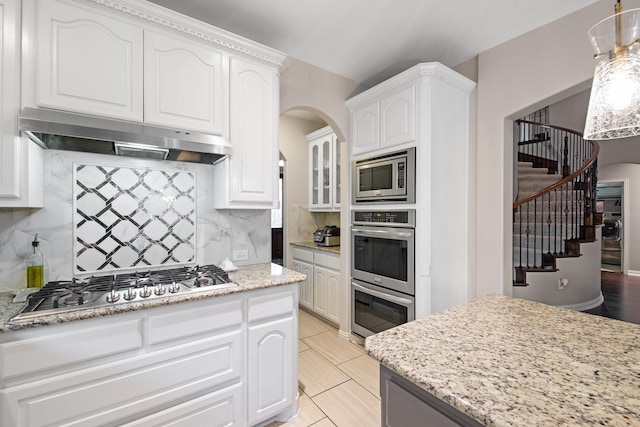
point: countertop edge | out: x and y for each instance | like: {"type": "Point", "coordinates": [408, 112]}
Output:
{"type": "Point", "coordinates": [248, 278]}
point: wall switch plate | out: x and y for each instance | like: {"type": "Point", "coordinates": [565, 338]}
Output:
{"type": "Point", "coordinates": [242, 255]}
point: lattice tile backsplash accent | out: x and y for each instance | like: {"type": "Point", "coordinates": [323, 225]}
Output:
{"type": "Point", "coordinates": [132, 218]}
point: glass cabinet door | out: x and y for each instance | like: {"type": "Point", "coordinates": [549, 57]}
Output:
{"type": "Point", "coordinates": [315, 159]}
{"type": "Point", "coordinates": [326, 172]}
{"type": "Point", "coordinates": [336, 173]}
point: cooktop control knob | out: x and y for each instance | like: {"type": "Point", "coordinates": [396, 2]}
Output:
{"type": "Point", "coordinates": [160, 290]}
{"type": "Point", "coordinates": [145, 292]}
{"type": "Point", "coordinates": [113, 296]}
{"type": "Point", "coordinates": [174, 287]}
{"type": "Point", "coordinates": [130, 294]}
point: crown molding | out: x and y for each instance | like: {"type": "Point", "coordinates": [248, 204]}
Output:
{"type": "Point", "coordinates": [418, 72]}
{"type": "Point", "coordinates": [155, 15]}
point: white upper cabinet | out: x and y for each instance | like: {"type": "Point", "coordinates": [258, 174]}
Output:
{"type": "Point", "coordinates": [21, 176]}
{"type": "Point", "coordinates": [364, 128]}
{"type": "Point", "coordinates": [324, 170]}
{"type": "Point", "coordinates": [183, 84]}
{"type": "Point", "coordinates": [384, 123]}
{"type": "Point", "coordinates": [87, 61]}
{"type": "Point", "coordinates": [397, 118]}
{"type": "Point", "coordinates": [251, 173]}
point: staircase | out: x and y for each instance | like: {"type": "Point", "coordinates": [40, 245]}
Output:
{"type": "Point", "coordinates": [554, 210]}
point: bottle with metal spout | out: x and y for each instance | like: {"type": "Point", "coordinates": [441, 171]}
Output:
{"type": "Point", "coordinates": [35, 266]}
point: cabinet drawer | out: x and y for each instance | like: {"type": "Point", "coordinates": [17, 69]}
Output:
{"type": "Point", "coordinates": [327, 260]}
{"type": "Point", "coordinates": [218, 409]}
{"type": "Point", "coordinates": [275, 304]}
{"type": "Point", "coordinates": [106, 394]}
{"type": "Point", "coordinates": [186, 323]}
{"type": "Point", "coordinates": [64, 348]}
{"type": "Point", "coordinates": [302, 254]}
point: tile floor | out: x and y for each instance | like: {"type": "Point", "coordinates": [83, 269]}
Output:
{"type": "Point", "coordinates": [339, 383]}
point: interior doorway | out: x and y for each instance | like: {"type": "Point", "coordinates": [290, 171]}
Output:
{"type": "Point", "coordinates": [610, 196]}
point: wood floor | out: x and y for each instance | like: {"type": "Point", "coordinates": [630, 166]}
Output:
{"type": "Point", "coordinates": [621, 297]}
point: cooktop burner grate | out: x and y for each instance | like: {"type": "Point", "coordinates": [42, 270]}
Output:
{"type": "Point", "coordinates": [98, 291]}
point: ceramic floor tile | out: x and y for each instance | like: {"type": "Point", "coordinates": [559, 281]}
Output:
{"type": "Point", "coordinates": [349, 405]}
{"type": "Point", "coordinates": [310, 414]}
{"type": "Point", "coordinates": [302, 346]}
{"type": "Point", "coordinates": [309, 325]}
{"type": "Point", "coordinates": [334, 348]}
{"type": "Point", "coordinates": [316, 374]}
{"type": "Point", "coordinates": [365, 370]}
{"type": "Point", "coordinates": [325, 422]}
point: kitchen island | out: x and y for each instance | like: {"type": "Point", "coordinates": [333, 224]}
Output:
{"type": "Point", "coordinates": [219, 357]}
{"type": "Point", "coordinates": [501, 361]}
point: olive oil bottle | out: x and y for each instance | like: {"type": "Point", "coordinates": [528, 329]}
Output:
{"type": "Point", "coordinates": [35, 266]}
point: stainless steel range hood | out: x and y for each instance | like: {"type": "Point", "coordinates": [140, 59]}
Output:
{"type": "Point", "coordinates": [69, 131]}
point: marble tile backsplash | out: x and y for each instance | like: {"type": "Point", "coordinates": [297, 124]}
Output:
{"type": "Point", "coordinates": [217, 232]}
{"type": "Point", "coordinates": [132, 218]}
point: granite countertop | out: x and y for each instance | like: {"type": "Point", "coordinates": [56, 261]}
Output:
{"type": "Point", "coordinates": [312, 245]}
{"type": "Point", "coordinates": [248, 278]}
{"type": "Point", "coordinates": [509, 362]}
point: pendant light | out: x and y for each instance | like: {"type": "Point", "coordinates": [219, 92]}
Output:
{"type": "Point", "coordinates": [614, 106]}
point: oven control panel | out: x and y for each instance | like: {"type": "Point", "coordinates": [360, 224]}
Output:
{"type": "Point", "coordinates": [396, 218]}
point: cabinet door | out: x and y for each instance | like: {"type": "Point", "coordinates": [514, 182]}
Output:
{"type": "Point", "coordinates": [306, 287]}
{"type": "Point", "coordinates": [321, 173]}
{"type": "Point", "coordinates": [251, 173]}
{"type": "Point", "coordinates": [20, 160]}
{"type": "Point", "coordinates": [88, 61]}
{"type": "Point", "coordinates": [337, 166]}
{"type": "Point", "coordinates": [326, 293]}
{"type": "Point", "coordinates": [365, 133]}
{"type": "Point", "coordinates": [271, 365]}
{"type": "Point", "coordinates": [182, 84]}
{"type": "Point", "coordinates": [397, 118]}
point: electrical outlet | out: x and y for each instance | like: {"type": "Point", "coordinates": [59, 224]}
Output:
{"type": "Point", "coordinates": [242, 255]}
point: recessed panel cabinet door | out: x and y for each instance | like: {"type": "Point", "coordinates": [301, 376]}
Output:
{"type": "Point", "coordinates": [183, 84]}
{"type": "Point", "coordinates": [88, 62]}
{"type": "Point", "coordinates": [364, 129]}
{"type": "Point", "coordinates": [253, 165]}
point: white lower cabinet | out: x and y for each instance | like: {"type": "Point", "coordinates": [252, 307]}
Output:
{"type": "Point", "coordinates": [189, 364]}
{"type": "Point", "coordinates": [320, 292]}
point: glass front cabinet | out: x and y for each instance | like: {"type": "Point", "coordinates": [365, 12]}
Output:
{"type": "Point", "coordinates": [324, 170]}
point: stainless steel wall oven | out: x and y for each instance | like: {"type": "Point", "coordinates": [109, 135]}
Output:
{"type": "Point", "coordinates": [382, 269]}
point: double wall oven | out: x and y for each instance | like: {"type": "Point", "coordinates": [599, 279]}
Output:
{"type": "Point", "coordinates": [382, 269]}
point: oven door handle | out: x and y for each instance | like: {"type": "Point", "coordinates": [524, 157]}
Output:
{"type": "Point", "coordinates": [402, 301]}
{"type": "Point", "coordinates": [385, 232]}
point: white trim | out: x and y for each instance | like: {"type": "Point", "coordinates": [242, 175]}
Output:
{"type": "Point", "coordinates": [587, 305]}
{"type": "Point", "coordinates": [633, 272]}
{"type": "Point", "coordinates": [152, 14]}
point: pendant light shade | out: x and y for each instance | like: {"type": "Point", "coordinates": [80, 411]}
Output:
{"type": "Point", "coordinates": [614, 106]}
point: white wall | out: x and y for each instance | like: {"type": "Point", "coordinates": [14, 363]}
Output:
{"type": "Point", "coordinates": [305, 87]}
{"type": "Point", "coordinates": [517, 77]}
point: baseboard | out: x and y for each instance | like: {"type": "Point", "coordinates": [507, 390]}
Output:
{"type": "Point", "coordinates": [345, 335]}
{"type": "Point", "coordinates": [633, 273]}
{"type": "Point", "coordinates": [584, 306]}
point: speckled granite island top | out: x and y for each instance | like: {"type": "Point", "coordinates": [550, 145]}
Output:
{"type": "Point", "coordinates": [248, 278]}
{"type": "Point", "coordinates": [510, 362]}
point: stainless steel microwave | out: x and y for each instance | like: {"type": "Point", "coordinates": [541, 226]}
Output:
{"type": "Point", "coordinates": [388, 178]}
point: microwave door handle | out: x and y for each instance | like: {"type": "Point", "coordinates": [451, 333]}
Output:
{"type": "Point", "coordinates": [397, 300]}
{"type": "Point", "coordinates": [391, 233]}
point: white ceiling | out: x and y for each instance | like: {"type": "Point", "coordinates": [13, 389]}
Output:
{"type": "Point", "coordinates": [369, 40]}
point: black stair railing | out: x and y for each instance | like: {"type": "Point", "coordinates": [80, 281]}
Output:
{"type": "Point", "coordinates": [552, 221]}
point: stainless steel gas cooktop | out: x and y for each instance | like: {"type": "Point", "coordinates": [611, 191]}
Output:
{"type": "Point", "coordinates": [99, 291]}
